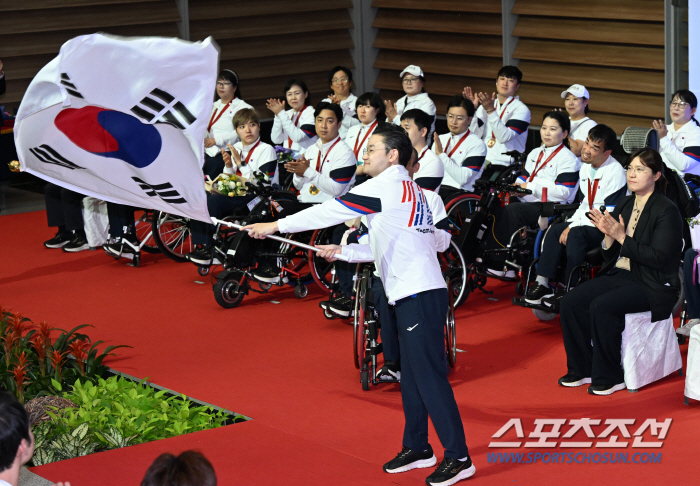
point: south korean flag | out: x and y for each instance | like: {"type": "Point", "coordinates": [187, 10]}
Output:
{"type": "Point", "coordinates": [124, 120]}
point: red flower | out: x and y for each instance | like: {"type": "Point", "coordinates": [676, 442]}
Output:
{"type": "Point", "coordinates": [77, 349]}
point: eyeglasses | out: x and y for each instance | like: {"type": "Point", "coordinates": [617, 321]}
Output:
{"type": "Point", "coordinates": [409, 80]}
{"type": "Point", "coordinates": [368, 151]}
{"type": "Point", "coordinates": [638, 170]}
{"type": "Point", "coordinates": [223, 85]}
{"type": "Point", "coordinates": [678, 104]}
{"type": "Point", "coordinates": [452, 117]}
{"type": "Point", "coordinates": [340, 80]}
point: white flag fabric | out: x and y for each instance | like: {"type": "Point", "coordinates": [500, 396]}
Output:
{"type": "Point", "coordinates": [122, 119]}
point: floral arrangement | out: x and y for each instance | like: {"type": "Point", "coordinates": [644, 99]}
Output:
{"type": "Point", "coordinates": [283, 154]}
{"type": "Point", "coordinates": [231, 185]}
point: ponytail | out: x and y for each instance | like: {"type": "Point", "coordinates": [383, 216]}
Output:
{"type": "Point", "coordinates": [693, 119]}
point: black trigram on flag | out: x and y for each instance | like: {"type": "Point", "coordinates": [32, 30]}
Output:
{"type": "Point", "coordinates": [164, 191]}
{"type": "Point", "coordinates": [163, 107]}
{"type": "Point", "coordinates": [48, 155]}
{"type": "Point", "coordinates": [70, 87]}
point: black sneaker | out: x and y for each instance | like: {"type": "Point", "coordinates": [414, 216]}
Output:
{"type": "Point", "coordinates": [267, 273]}
{"type": "Point", "coordinates": [450, 471]}
{"type": "Point", "coordinates": [537, 293]}
{"type": "Point", "coordinates": [76, 244]}
{"type": "Point", "coordinates": [605, 389]}
{"type": "Point", "coordinates": [408, 459]}
{"type": "Point", "coordinates": [554, 302]}
{"type": "Point", "coordinates": [122, 248]}
{"type": "Point", "coordinates": [340, 305]}
{"type": "Point", "coordinates": [61, 238]}
{"type": "Point", "coordinates": [572, 380]}
{"type": "Point", "coordinates": [201, 255]}
{"type": "Point", "coordinates": [390, 371]}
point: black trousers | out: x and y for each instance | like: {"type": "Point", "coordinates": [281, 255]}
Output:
{"type": "Point", "coordinates": [219, 206]}
{"type": "Point", "coordinates": [64, 207]}
{"type": "Point", "coordinates": [508, 219]}
{"type": "Point", "coordinates": [344, 270]}
{"type": "Point", "coordinates": [121, 220]}
{"type": "Point", "coordinates": [447, 193]}
{"type": "Point", "coordinates": [425, 390]}
{"type": "Point", "coordinates": [389, 331]}
{"type": "Point", "coordinates": [594, 312]}
{"type": "Point", "coordinates": [580, 241]}
{"type": "Point", "coordinates": [213, 166]}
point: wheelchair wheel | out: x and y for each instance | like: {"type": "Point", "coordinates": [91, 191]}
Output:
{"type": "Point", "coordinates": [172, 235]}
{"type": "Point", "coordinates": [364, 379]}
{"type": "Point", "coordinates": [681, 338]}
{"type": "Point", "coordinates": [543, 315]}
{"type": "Point", "coordinates": [227, 291]}
{"type": "Point", "coordinates": [359, 331]}
{"type": "Point", "coordinates": [454, 267]}
{"type": "Point", "coordinates": [320, 267]}
{"type": "Point", "coordinates": [460, 209]}
{"type": "Point", "coordinates": [296, 258]}
{"type": "Point", "coordinates": [144, 231]}
{"type": "Point", "coordinates": [301, 291]}
{"type": "Point", "coordinates": [450, 330]}
{"type": "Point", "coordinates": [203, 270]}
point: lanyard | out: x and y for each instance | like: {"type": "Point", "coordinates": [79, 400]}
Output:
{"type": "Point", "coordinates": [295, 124]}
{"type": "Point", "coordinates": [214, 120]}
{"type": "Point", "coordinates": [425, 149]}
{"type": "Point", "coordinates": [247, 157]}
{"type": "Point", "coordinates": [464, 137]}
{"type": "Point", "coordinates": [318, 159]}
{"type": "Point", "coordinates": [500, 117]}
{"type": "Point", "coordinates": [591, 192]}
{"type": "Point", "coordinates": [540, 167]}
{"type": "Point", "coordinates": [357, 148]}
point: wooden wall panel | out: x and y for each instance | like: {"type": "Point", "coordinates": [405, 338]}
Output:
{"type": "Point", "coordinates": [267, 43]}
{"type": "Point", "coordinates": [456, 43]}
{"type": "Point", "coordinates": [618, 56]}
{"type": "Point", "coordinates": [32, 31]}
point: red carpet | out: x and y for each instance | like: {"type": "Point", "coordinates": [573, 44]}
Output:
{"type": "Point", "coordinates": [291, 370]}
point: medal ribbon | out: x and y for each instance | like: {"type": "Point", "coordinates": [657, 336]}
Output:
{"type": "Point", "coordinates": [357, 148]}
{"type": "Point", "coordinates": [540, 167]}
{"type": "Point", "coordinates": [464, 137]}
{"type": "Point", "coordinates": [318, 159]}
{"type": "Point", "coordinates": [214, 120]}
{"type": "Point", "coordinates": [296, 122]}
{"type": "Point", "coordinates": [591, 193]}
{"type": "Point", "coordinates": [500, 117]}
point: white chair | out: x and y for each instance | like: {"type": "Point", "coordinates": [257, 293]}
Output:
{"type": "Point", "coordinates": [692, 375]}
{"type": "Point", "coordinates": [95, 221]}
{"type": "Point", "coordinates": [649, 350]}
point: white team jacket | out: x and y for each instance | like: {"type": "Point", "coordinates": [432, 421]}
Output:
{"type": "Point", "coordinates": [303, 135]}
{"type": "Point", "coordinates": [403, 238]}
{"type": "Point", "coordinates": [263, 159]}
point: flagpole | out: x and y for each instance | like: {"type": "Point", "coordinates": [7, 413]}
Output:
{"type": "Point", "coordinates": [338, 256]}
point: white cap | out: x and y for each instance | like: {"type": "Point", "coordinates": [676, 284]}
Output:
{"type": "Point", "coordinates": [415, 70]}
{"type": "Point", "coordinates": [578, 90]}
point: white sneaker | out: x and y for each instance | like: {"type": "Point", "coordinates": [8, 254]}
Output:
{"type": "Point", "coordinates": [501, 273]}
{"type": "Point", "coordinates": [684, 330]}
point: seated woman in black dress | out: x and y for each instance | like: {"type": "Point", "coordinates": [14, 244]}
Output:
{"type": "Point", "coordinates": [642, 251]}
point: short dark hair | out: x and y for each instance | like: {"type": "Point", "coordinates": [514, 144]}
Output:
{"type": "Point", "coordinates": [375, 101]}
{"type": "Point", "coordinates": [347, 72]}
{"type": "Point", "coordinates": [652, 159]}
{"type": "Point", "coordinates": [462, 102]}
{"type": "Point", "coordinates": [395, 137]}
{"type": "Point", "coordinates": [231, 76]}
{"type": "Point", "coordinates": [420, 118]}
{"type": "Point", "coordinates": [605, 134]}
{"type": "Point", "coordinates": [335, 108]}
{"type": "Point", "coordinates": [14, 426]}
{"type": "Point", "coordinates": [563, 121]}
{"type": "Point", "coordinates": [511, 72]}
{"type": "Point", "coordinates": [190, 468]}
{"type": "Point", "coordinates": [298, 82]}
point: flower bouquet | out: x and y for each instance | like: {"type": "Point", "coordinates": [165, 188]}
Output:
{"type": "Point", "coordinates": [230, 185]}
{"type": "Point", "coordinates": [694, 225]}
{"type": "Point", "coordinates": [284, 155]}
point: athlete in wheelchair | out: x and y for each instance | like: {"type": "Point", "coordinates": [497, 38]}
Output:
{"type": "Point", "coordinates": [567, 241]}
{"type": "Point", "coordinates": [497, 223]}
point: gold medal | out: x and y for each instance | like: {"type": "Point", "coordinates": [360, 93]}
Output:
{"type": "Point", "coordinates": [313, 190]}
{"type": "Point", "coordinates": [491, 142]}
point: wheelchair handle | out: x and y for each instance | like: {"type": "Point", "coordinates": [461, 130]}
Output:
{"type": "Point", "coordinates": [280, 239]}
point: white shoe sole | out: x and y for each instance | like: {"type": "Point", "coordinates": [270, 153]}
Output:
{"type": "Point", "coordinates": [272, 280]}
{"type": "Point", "coordinates": [56, 245]}
{"type": "Point", "coordinates": [538, 301]}
{"type": "Point", "coordinates": [498, 273]}
{"type": "Point", "coordinates": [612, 390]}
{"type": "Point", "coordinates": [77, 249]}
{"type": "Point", "coordinates": [414, 465]}
{"type": "Point", "coordinates": [199, 261]}
{"type": "Point", "coordinates": [572, 384]}
{"type": "Point", "coordinates": [467, 473]}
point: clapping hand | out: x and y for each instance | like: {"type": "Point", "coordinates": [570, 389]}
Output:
{"type": "Point", "coordinates": [275, 106]}
{"type": "Point", "coordinates": [390, 110]}
{"type": "Point", "coordinates": [468, 94]}
{"type": "Point", "coordinates": [607, 224]}
{"type": "Point", "coordinates": [660, 128]}
{"type": "Point", "coordinates": [489, 102]}
{"type": "Point", "coordinates": [298, 167]}
{"type": "Point", "coordinates": [209, 142]}
{"type": "Point", "coordinates": [437, 144]}
{"type": "Point", "coordinates": [334, 99]}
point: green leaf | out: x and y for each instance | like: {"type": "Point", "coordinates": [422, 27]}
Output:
{"type": "Point", "coordinates": [57, 386]}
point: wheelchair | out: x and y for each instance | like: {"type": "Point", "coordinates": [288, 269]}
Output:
{"type": "Point", "coordinates": [240, 254]}
{"type": "Point", "coordinates": [366, 326]}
